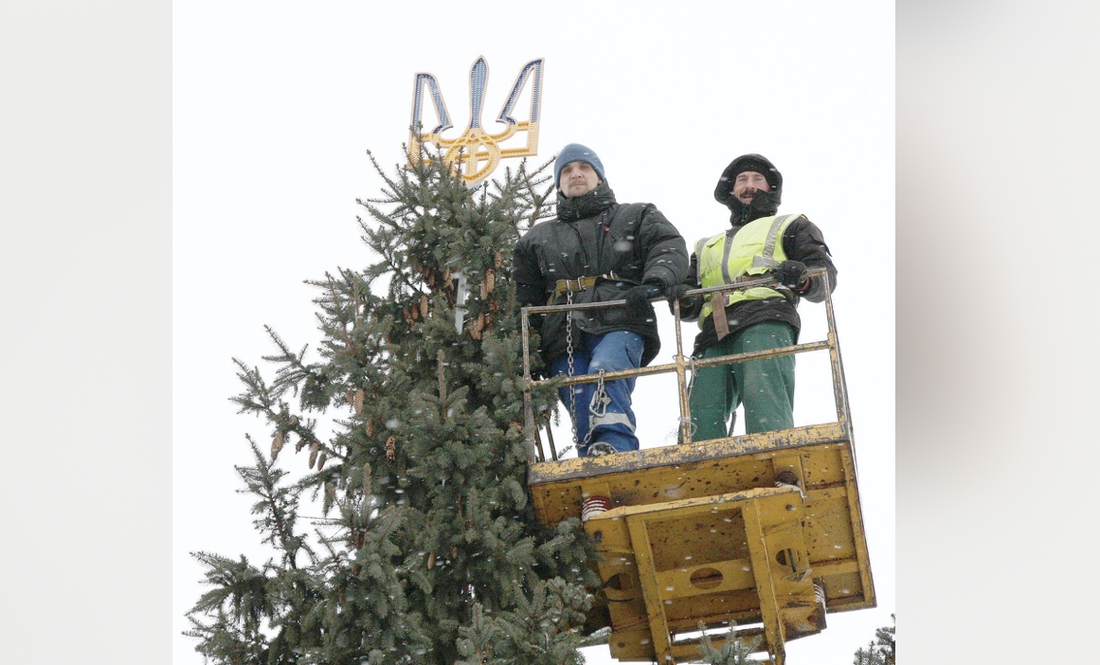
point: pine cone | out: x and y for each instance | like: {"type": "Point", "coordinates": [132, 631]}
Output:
{"type": "Point", "coordinates": [277, 444]}
{"type": "Point", "coordinates": [477, 326]}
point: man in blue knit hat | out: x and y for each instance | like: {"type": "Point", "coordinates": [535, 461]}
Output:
{"type": "Point", "coordinates": [597, 250]}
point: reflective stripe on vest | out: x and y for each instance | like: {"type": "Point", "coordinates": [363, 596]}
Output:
{"type": "Point", "coordinates": [754, 250]}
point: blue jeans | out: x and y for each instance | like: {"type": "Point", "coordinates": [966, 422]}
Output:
{"type": "Point", "coordinates": [610, 418]}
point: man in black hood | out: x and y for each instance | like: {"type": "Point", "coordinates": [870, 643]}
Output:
{"type": "Point", "coordinates": [597, 250]}
{"type": "Point", "coordinates": [760, 243]}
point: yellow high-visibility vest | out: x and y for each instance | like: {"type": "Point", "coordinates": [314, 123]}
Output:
{"type": "Point", "coordinates": [754, 250]}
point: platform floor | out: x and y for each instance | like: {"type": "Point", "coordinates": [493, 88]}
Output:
{"type": "Point", "coordinates": [663, 490]}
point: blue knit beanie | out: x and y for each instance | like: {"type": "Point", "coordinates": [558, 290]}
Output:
{"type": "Point", "coordinates": [575, 152]}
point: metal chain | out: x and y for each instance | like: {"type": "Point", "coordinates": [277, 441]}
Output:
{"type": "Point", "coordinates": [569, 360]}
{"type": "Point", "coordinates": [691, 386]}
{"type": "Point", "coordinates": [597, 408]}
{"type": "Point", "coordinates": [600, 400]}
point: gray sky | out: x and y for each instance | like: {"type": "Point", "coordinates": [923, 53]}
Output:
{"type": "Point", "coordinates": [274, 108]}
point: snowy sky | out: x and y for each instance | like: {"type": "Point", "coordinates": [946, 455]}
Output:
{"type": "Point", "coordinates": [274, 107]}
{"type": "Point", "coordinates": [996, 178]}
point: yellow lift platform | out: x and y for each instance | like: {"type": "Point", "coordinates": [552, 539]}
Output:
{"type": "Point", "coordinates": [760, 532]}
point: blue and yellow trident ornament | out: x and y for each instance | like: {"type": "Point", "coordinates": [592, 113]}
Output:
{"type": "Point", "coordinates": [477, 152]}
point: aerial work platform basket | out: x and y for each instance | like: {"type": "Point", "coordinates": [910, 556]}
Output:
{"type": "Point", "coordinates": [760, 533]}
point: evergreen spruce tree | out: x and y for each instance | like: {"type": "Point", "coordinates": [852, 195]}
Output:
{"type": "Point", "coordinates": [409, 428]}
{"type": "Point", "coordinates": [881, 650]}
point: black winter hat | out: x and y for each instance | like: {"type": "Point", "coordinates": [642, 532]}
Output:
{"type": "Point", "coordinates": [723, 191]}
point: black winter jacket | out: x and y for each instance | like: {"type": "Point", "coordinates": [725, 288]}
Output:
{"type": "Point", "coordinates": [593, 235]}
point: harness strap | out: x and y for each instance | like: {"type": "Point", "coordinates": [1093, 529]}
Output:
{"type": "Point", "coordinates": [721, 323]}
{"type": "Point", "coordinates": [563, 286]}
{"type": "Point", "coordinates": [718, 305]}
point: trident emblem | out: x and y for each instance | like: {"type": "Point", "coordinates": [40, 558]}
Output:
{"type": "Point", "coordinates": [478, 152]}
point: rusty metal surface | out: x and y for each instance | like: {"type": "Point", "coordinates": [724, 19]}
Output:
{"type": "Point", "coordinates": [819, 456]}
{"type": "Point", "coordinates": [716, 450]}
{"type": "Point", "coordinates": [721, 545]}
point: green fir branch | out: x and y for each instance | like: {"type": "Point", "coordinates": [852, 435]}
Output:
{"type": "Point", "coordinates": [427, 541]}
{"type": "Point", "coordinates": [277, 507]}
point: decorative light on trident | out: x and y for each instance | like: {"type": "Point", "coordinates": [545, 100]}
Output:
{"type": "Point", "coordinates": [478, 152]}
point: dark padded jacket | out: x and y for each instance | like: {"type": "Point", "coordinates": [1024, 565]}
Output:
{"type": "Point", "coordinates": [594, 236]}
{"type": "Point", "coordinates": [802, 241]}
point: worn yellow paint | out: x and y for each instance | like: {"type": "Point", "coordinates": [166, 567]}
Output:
{"type": "Point", "coordinates": [700, 533]}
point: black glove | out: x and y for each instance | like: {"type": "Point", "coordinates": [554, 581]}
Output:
{"type": "Point", "coordinates": [675, 295]}
{"type": "Point", "coordinates": [637, 298]}
{"type": "Point", "coordinates": [677, 291]}
{"type": "Point", "coordinates": [791, 274]}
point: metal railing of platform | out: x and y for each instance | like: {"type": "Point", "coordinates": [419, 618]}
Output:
{"type": "Point", "coordinates": [681, 364]}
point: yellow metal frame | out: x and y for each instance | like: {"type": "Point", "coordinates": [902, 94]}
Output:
{"type": "Point", "coordinates": [710, 575]}
{"type": "Point", "coordinates": [700, 533]}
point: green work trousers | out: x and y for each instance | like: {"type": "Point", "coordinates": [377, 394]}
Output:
{"type": "Point", "coordinates": [765, 387]}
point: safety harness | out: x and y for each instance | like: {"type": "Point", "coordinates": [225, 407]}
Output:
{"type": "Point", "coordinates": [571, 286]}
